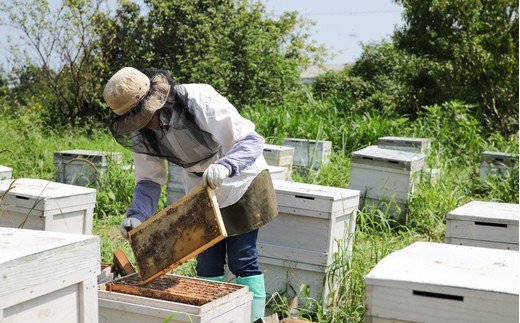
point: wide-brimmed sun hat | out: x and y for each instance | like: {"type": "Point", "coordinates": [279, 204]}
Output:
{"type": "Point", "coordinates": [135, 98]}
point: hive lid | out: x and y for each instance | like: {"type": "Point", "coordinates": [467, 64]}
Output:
{"type": "Point", "coordinates": [498, 157]}
{"type": "Point", "coordinates": [44, 195]}
{"type": "Point", "coordinates": [312, 190]}
{"type": "Point", "coordinates": [5, 169]}
{"type": "Point", "coordinates": [269, 148]}
{"type": "Point", "coordinates": [479, 210]}
{"type": "Point", "coordinates": [426, 263]}
{"type": "Point", "coordinates": [176, 234]}
{"type": "Point", "coordinates": [94, 156]}
{"type": "Point", "coordinates": [20, 243]}
{"type": "Point", "coordinates": [389, 158]}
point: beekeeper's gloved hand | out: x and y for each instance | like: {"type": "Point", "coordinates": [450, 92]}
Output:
{"type": "Point", "coordinates": [127, 225]}
{"type": "Point", "coordinates": [214, 175]}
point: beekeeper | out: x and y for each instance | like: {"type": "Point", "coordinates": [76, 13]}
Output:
{"type": "Point", "coordinates": [193, 126]}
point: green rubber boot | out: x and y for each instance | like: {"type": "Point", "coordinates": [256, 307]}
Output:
{"type": "Point", "coordinates": [220, 279]}
{"type": "Point", "coordinates": [256, 286]}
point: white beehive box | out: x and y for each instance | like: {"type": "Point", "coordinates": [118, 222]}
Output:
{"type": "Point", "coordinates": [278, 173]}
{"type": "Point", "coordinates": [433, 282]}
{"type": "Point", "coordinates": [5, 172]}
{"type": "Point", "coordinates": [309, 153]}
{"type": "Point", "coordinates": [175, 183]}
{"type": "Point", "coordinates": [384, 174]}
{"type": "Point", "coordinates": [124, 308]}
{"type": "Point", "coordinates": [278, 155]}
{"type": "Point", "coordinates": [496, 163]}
{"type": "Point", "coordinates": [302, 239]}
{"type": "Point", "coordinates": [44, 205]}
{"type": "Point", "coordinates": [484, 224]}
{"type": "Point", "coordinates": [83, 167]}
{"type": "Point", "coordinates": [413, 145]}
{"type": "Point", "coordinates": [48, 276]}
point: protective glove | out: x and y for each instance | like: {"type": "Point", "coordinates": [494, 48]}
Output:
{"type": "Point", "coordinates": [127, 225]}
{"type": "Point", "coordinates": [214, 175]}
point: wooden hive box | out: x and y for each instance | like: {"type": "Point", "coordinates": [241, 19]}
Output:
{"type": "Point", "coordinates": [48, 276]}
{"type": "Point", "coordinates": [83, 167]}
{"type": "Point", "coordinates": [176, 234]}
{"type": "Point", "coordinates": [181, 299]}
{"type": "Point", "coordinates": [496, 163]}
{"type": "Point", "coordinates": [278, 155]}
{"type": "Point", "coordinates": [309, 153]}
{"type": "Point", "coordinates": [484, 224]}
{"type": "Point", "coordinates": [175, 183]}
{"type": "Point", "coordinates": [299, 243]}
{"type": "Point", "coordinates": [384, 174]}
{"type": "Point", "coordinates": [433, 282]}
{"type": "Point", "coordinates": [278, 173]}
{"type": "Point", "coordinates": [44, 205]}
{"type": "Point", "coordinates": [5, 172]}
{"type": "Point", "coordinates": [413, 145]}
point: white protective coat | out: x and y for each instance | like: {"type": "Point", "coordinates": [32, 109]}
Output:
{"type": "Point", "coordinates": [216, 115]}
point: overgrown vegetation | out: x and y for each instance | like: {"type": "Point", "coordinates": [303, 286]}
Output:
{"type": "Point", "coordinates": [450, 74]}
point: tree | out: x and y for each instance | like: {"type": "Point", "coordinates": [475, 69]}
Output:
{"type": "Point", "coordinates": [230, 44]}
{"type": "Point", "coordinates": [60, 43]}
{"type": "Point", "coordinates": [471, 50]}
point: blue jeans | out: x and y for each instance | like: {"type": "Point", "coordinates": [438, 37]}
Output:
{"type": "Point", "coordinates": [242, 257]}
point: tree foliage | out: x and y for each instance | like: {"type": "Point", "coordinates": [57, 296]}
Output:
{"type": "Point", "coordinates": [232, 45]}
{"type": "Point", "coordinates": [471, 50]}
{"type": "Point", "coordinates": [56, 58]}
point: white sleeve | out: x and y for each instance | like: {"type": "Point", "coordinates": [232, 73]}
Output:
{"type": "Point", "coordinates": [216, 115]}
{"type": "Point", "coordinates": [149, 168]}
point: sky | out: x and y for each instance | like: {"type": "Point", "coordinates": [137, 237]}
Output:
{"type": "Point", "coordinates": [343, 25]}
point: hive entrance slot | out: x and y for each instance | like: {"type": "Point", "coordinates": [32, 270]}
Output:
{"type": "Point", "coordinates": [439, 295]}
{"type": "Point", "coordinates": [491, 224]}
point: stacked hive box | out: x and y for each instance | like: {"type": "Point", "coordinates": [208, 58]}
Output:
{"type": "Point", "coordinates": [484, 224]}
{"type": "Point", "coordinates": [279, 156]}
{"type": "Point", "coordinates": [235, 307]}
{"type": "Point", "coordinates": [175, 183]}
{"type": "Point", "coordinates": [298, 245]}
{"type": "Point", "coordinates": [309, 153]}
{"type": "Point", "coordinates": [83, 167]}
{"type": "Point", "coordinates": [433, 282]}
{"type": "Point", "coordinates": [48, 276]}
{"type": "Point", "coordinates": [386, 178]}
{"type": "Point", "coordinates": [44, 205]}
{"type": "Point", "coordinates": [496, 163]}
{"type": "Point", "coordinates": [413, 145]}
{"type": "Point", "coordinates": [5, 172]}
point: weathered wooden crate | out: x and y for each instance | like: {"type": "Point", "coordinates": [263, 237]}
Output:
{"type": "Point", "coordinates": [309, 153]}
{"type": "Point", "coordinates": [188, 303]}
{"type": "Point", "coordinates": [83, 167]}
{"type": "Point", "coordinates": [384, 174]}
{"type": "Point", "coordinates": [48, 276]}
{"type": "Point", "coordinates": [433, 282]}
{"type": "Point", "coordinates": [44, 205]}
{"type": "Point", "coordinates": [484, 224]}
{"type": "Point", "coordinates": [413, 145]}
{"type": "Point", "coordinates": [5, 172]}
{"type": "Point", "coordinates": [278, 155]}
{"type": "Point", "coordinates": [496, 163]}
{"type": "Point", "coordinates": [302, 239]}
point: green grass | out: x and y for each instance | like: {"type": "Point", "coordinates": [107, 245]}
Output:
{"type": "Point", "coordinates": [458, 140]}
